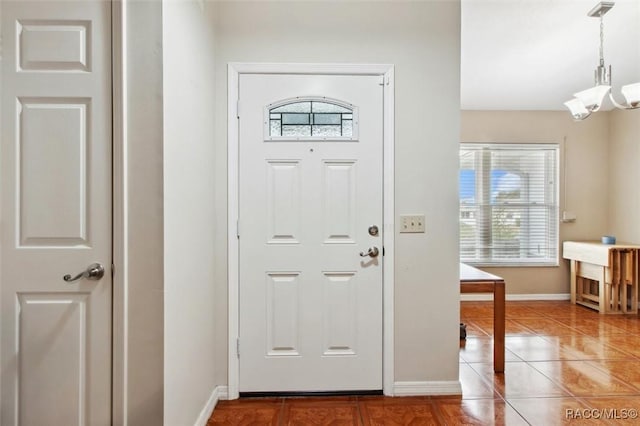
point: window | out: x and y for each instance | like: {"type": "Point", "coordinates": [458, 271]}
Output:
{"type": "Point", "coordinates": [509, 204]}
{"type": "Point", "coordinates": [311, 118]}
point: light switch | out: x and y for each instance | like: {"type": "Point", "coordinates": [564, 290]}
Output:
{"type": "Point", "coordinates": [412, 223]}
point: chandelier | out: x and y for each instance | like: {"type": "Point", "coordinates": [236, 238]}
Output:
{"type": "Point", "coordinates": [590, 100]}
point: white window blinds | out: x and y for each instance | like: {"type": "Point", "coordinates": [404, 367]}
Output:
{"type": "Point", "coordinates": [509, 204]}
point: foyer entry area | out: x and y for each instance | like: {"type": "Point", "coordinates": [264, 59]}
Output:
{"type": "Point", "coordinates": [558, 356]}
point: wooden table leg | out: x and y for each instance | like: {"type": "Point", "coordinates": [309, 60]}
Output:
{"type": "Point", "coordinates": [498, 326]}
{"type": "Point", "coordinates": [574, 271]}
{"type": "Point", "coordinates": [634, 282]}
{"type": "Point", "coordinates": [622, 296]}
{"type": "Point", "coordinates": [604, 299]}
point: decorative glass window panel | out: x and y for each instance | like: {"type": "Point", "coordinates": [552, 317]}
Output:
{"type": "Point", "coordinates": [296, 131]}
{"type": "Point", "coordinates": [294, 107]}
{"type": "Point", "coordinates": [298, 118]}
{"type": "Point", "coordinates": [311, 118]}
{"type": "Point", "coordinates": [332, 119]}
{"type": "Point", "coordinates": [276, 127]}
{"type": "Point", "coordinates": [347, 126]}
{"type": "Point", "coordinates": [327, 131]}
{"type": "Point", "coordinates": [325, 107]}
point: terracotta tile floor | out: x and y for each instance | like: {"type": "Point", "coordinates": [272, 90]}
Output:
{"type": "Point", "coordinates": [561, 359]}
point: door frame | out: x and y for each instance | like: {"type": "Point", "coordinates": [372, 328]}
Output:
{"type": "Point", "coordinates": [138, 253]}
{"type": "Point", "coordinates": [386, 73]}
{"type": "Point", "coordinates": [118, 182]}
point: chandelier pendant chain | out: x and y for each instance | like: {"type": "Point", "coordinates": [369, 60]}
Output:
{"type": "Point", "coordinates": [602, 75]}
{"type": "Point", "coordinates": [601, 39]}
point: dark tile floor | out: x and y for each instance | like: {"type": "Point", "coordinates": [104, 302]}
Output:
{"type": "Point", "coordinates": [566, 364]}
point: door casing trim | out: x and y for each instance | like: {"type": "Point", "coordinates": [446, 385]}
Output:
{"type": "Point", "coordinates": [386, 73]}
{"type": "Point", "coordinates": [119, 385]}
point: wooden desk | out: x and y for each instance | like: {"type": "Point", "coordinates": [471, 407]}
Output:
{"type": "Point", "coordinates": [473, 280]}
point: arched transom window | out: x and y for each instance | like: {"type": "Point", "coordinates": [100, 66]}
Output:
{"type": "Point", "coordinates": [311, 118]}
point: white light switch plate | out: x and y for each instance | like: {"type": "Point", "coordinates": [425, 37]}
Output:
{"type": "Point", "coordinates": [568, 216]}
{"type": "Point", "coordinates": [412, 223]}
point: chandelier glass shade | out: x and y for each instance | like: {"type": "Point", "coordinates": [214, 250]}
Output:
{"type": "Point", "coordinates": [590, 100]}
{"type": "Point", "coordinates": [631, 93]}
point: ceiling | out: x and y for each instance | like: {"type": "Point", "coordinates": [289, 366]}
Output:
{"type": "Point", "coordinates": [534, 54]}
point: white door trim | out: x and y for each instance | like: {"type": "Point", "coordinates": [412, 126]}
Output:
{"type": "Point", "coordinates": [385, 71]}
{"type": "Point", "coordinates": [138, 339]}
{"type": "Point", "coordinates": [119, 384]}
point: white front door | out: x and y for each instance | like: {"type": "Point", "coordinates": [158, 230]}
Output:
{"type": "Point", "coordinates": [310, 177]}
{"type": "Point", "coordinates": [56, 213]}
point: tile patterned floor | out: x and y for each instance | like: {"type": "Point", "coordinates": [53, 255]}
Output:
{"type": "Point", "coordinates": [566, 364]}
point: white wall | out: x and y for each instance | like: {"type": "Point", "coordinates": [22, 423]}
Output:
{"type": "Point", "coordinates": [422, 39]}
{"type": "Point", "coordinates": [583, 179]}
{"type": "Point", "coordinates": [139, 282]}
{"type": "Point", "coordinates": [189, 210]}
{"type": "Point", "coordinates": [624, 176]}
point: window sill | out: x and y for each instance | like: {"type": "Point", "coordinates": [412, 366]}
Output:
{"type": "Point", "coordinates": [513, 265]}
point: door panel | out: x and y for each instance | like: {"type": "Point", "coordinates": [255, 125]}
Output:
{"type": "Point", "coordinates": [53, 45]}
{"type": "Point", "coordinates": [283, 202]}
{"type": "Point", "coordinates": [52, 129]}
{"type": "Point", "coordinates": [310, 305]}
{"type": "Point", "coordinates": [56, 212]}
{"type": "Point", "coordinates": [61, 360]}
{"type": "Point", "coordinates": [340, 305]}
{"type": "Point", "coordinates": [339, 201]}
{"type": "Point", "coordinates": [283, 328]}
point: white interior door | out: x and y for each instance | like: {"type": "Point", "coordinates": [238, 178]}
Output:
{"type": "Point", "coordinates": [56, 212]}
{"type": "Point", "coordinates": [310, 188]}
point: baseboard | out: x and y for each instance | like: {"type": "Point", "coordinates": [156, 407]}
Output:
{"type": "Point", "coordinates": [478, 297]}
{"type": "Point", "coordinates": [539, 296]}
{"type": "Point", "coordinates": [219, 393]}
{"type": "Point", "coordinates": [427, 388]}
{"type": "Point", "coordinates": [223, 393]}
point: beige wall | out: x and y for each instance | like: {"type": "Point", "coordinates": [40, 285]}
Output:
{"type": "Point", "coordinates": [189, 209]}
{"type": "Point", "coordinates": [583, 179]}
{"type": "Point", "coordinates": [624, 176]}
{"type": "Point", "coordinates": [422, 39]}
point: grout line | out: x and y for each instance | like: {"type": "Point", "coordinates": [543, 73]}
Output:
{"type": "Point", "coordinates": [560, 385]}
{"type": "Point", "coordinates": [519, 413]}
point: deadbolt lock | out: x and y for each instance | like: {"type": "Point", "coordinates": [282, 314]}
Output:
{"type": "Point", "coordinates": [373, 230]}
